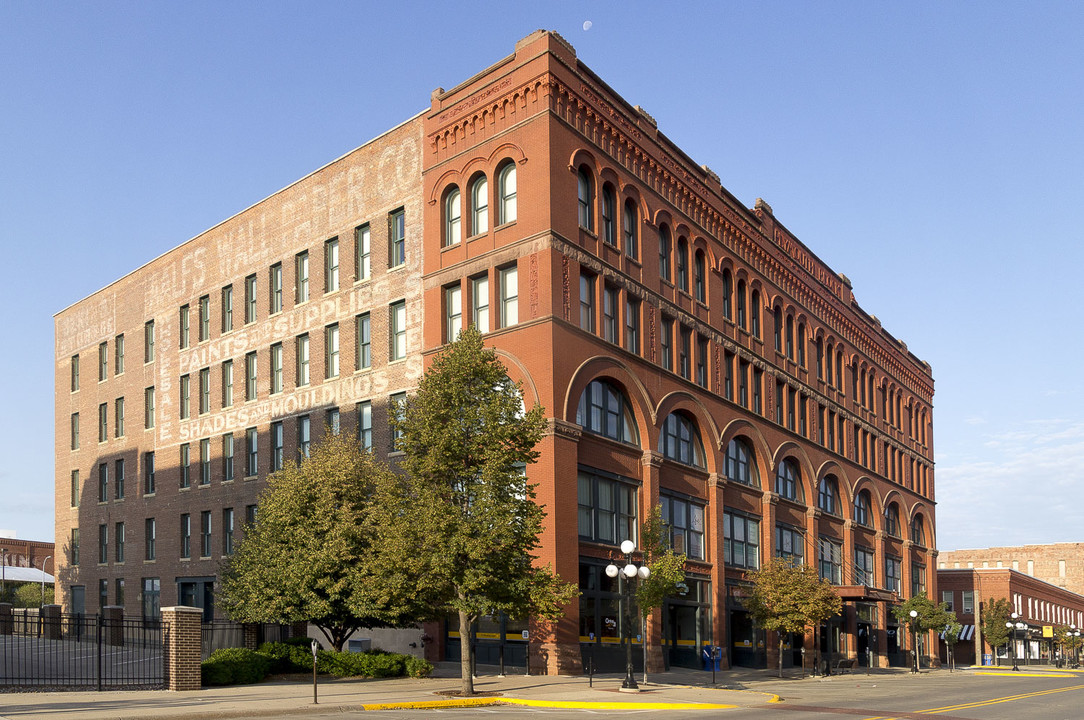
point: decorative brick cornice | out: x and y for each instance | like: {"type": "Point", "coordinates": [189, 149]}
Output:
{"type": "Point", "coordinates": [563, 429]}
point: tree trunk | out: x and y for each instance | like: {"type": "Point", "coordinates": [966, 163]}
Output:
{"type": "Point", "coordinates": [465, 654]}
{"type": "Point", "coordinates": [780, 653]}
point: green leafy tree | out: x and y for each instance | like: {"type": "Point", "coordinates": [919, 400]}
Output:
{"type": "Point", "coordinates": [310, 556]}
{"type": "Point", "coordinates": [29, 595]}
{"type": "Point", "coordinates": [463, 521]}
{"type": "Point", "coordinates": [931, 615]}
{"type": "Point", "coordinates": [787, 598]}
{"type": "Point", "coordinates": [995, 613]}
{"type": "Point", "coordinates": [952, 636]}
{"type": "Point", "coordinates": [667, 567]}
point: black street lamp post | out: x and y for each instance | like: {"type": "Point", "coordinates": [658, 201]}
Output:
{"type": "Point", "coordinates": [1012, 641]}
{"type": "Point", "coordinates": [627, 574]}
{"type": "Point", "coordinates": [914, 640]}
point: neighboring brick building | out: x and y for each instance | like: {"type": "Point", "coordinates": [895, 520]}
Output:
{"type": "Point", "coordinates": [689, 352]}
{"type": "Point", "coordinates": [1060, 564]}
{"type": "Point", "coordinates": [27, 554]}
{"type": "Point", "coordinates": [1040, 604]}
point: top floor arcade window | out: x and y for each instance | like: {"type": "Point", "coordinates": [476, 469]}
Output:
{"type": "Point", "coordinates": [664, 252]}
{"type": "Point", "coordinates": [683, 265]}
{"type": "Point", "coordinates": [918, 531]}
{"type": "Point", "coordinates": [630, 220]}
{"type": "Point", "coordinates": [609, 216]}
{"type": "Point", "coordinates": [787, 481]}
{"type": "Point", "coordinates": [740, 465]}
{"type": "Point", "coordinates": [828, 495]}
{"type": "Point", "coordinates": [585, 199]}
{"type": "Point", "coordinates": [604, 411]}
{"type": "Point", "coordinates": [862, 514]}
{"type": "Point", "coordinates": [892, 520]}
{"type": "Point", "coordinates": [479, 203]}
{"type": "Point", "coordinates": [453, 216]}
{"type": "Point", "coordinates": [680, 440]}
{"type": "Point", "coordinates": [506, 187]}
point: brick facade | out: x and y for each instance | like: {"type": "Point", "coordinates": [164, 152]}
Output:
{"type": "Point", "coordinates": [27, 553]}
{"type": "Point", "coordinates": [1060, 564]}
{"type": "Point", "coordinates": [601, 260]}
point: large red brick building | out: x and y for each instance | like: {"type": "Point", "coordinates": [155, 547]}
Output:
{"type": "Point", "coordinates": [690, 352]}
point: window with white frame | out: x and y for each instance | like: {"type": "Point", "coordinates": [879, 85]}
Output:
{"type": "Point", "coordinates": [362, 253]}
{"type": "Point", "coordinates": [331, 350]}
{"type": "Point", "coordinates": [397, 331]}
{"type": "Point", "coordinates": [331, 265]}
{"type": "Point", "coordinates": [302, 345]}
{"type": "Point", "coordinates": [506, 182]}
{"type": "Point", "coordinates": [453, 225]}
{"type": "Point", "coordinates": [509, 287]}
{"type": "Point", "coordinates": [453, 312]}
{"type": "Point", "coordinates": [363, 356]}
{"type": "Point", "coordinates": [480, 303]}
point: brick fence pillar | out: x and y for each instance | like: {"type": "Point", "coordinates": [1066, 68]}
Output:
{"type": "Point", "coordinates": [50, 622]}
{"type": "Point", "coordinates": [113, 618]}
{"type": "Point", "coordinates": [183, 643]}
{"type": "Point", "coordinates": [251, 632]}
{"type": "Point", "coordinates": [7, 619]}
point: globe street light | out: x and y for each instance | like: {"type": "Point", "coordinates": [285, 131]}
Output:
{"type": "Point", "coordinates": [1012, 630]}
{"type": "Point", "coordinates": [1023, 628]}
{"type": "Point", "coordinates": [626, 575]}
{"type": "Point", "coordinates": [914, 639]}
{"type": "Point", "coordinates": [1076, 645]}
{"type": "Point", "coordinates": [47, 557]}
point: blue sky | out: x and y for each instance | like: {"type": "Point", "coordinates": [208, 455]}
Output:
{"type": "Point", "coordinates": [931, 152]}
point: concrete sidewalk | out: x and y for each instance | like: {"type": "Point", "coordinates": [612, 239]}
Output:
{"type": "Point", "coordinates": [678, 689]}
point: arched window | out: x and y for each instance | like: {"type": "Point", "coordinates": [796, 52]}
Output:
{"type": "Point", "coordinates": [820, 358]}
{"type": "Point", "coordinates": [609, 216]}
{"type": "Point", "coordinates": [790, 337]}
{"type": "Point", "coordinates": [726, 294]}
{"type": "Point", "coordinates": [683, 265]}
{"type": "Point", "coordinates": [630, 222]}
{"type": "Point", "coordinates": [839, 367]}
{"type": "Point", "coordinates": [664, 253]}
{"type": "Point", "coordinates": [754, 312]}
{"type": "Point", "coordinates": [892, 520]}
{"type": "Point", "coordinates": [787, 481]}
{"type": "Point", "coordinates": [801, 344]}
{"type": "Point", "coordinates": [827, 494]}
{"type": "Point", "coordinates": [862, 508]}
{"type": "Point", "coordinates": [828, 359]}
{"type": "Point", "coordinates": [680, 440]}
{"type": "Point", "coordinates": [698, 276]}
{"type": "Point", "coordinates": [741, 305]}
{"type": "Point", "coordinates": [506, 186]}
{"type": "Point", "coordinates": [918, 531]}
{"type": "Point", "coordinates": [740, 465]}
{"type": "Point", "coordinates": [777, 333]}
{"type": "Point", "coordinates": [603, 410]}
{"type": "Point", "coordinates": [452, 218]}
{"type": "Point", "coordinates": [585, 194]}
{"type": "Point", "coordinates": [479, 203]}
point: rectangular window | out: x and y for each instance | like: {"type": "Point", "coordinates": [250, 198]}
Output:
{"type": "Point", "coordinates": [118, 542]}
{"type": "Point", "coordinates": [118, 355]}
{"type": "Point", "coordinates": [331, 265]}
{"type": "Point", "coordinates": [227, 457]}
{"type": "Point", "coordinates": [830, 561]}
{"type": "Point", "coordinates": [741, 541]}
{"type": "Point", "coordinates": [453, 313]}
{"type": "Point", "coordinates": [103, 593]}
{"type": "Point", "coordinates": [250, 514]}
{"type": "Point", "coordinates": [666, 344]}
{"type": "Point", "coordinates": [480, 303]}
{"type": "Point", "coordinates": [204, 318]}
{"type": "Point", "coordinates": [75, 372]}
{"type": "Point", "coordinates": [118, 480]}
{"type": "Point", "coordinates": [204, 391]}
{"type": "Point", "coordinates": [250, 299]}
{"type": "Point", "coordinates": [757, 377]}
{"type": "Point", "coordinates": [918, 579]}
{"type": "Point", "coordinates": [892, 574]}
{"type": "Point", "coordinates": [183, 329]}
{"type": "Point", "coordinates": [304, 435]}
{"type": "Point", "coordinates": [276, 368]}
{"type": "Point", "coordinates": [227, 383]}
{"type": "Point", "coordinates": [684, 352]}
{"type": "Point", "coordinates": [276, 446]}
{"type": "Point", "coordinates": [607, 509]}
{"type": "Point", "coordinates": [587, 302]}
{"type": "Point", "coordinates": [75, 547]}
{"type": "Point", "coordinates": [331, 350]}
{"type": "Point", "coordinates": [118, 417]}
{"type": "Point", "coordinates": [701, 361]}
{"type": "Point", "coordinates": [632, 325]}
{"type": "Point", "coordinates": [363, 355]}
{"type": "Point", "coordinates": [76, 489]}
{"type": "Point", "coordinates": [103, 361]}
{"type": "Point", "coordinates": [250, 376]}
{"type": "Point", "coordinates": [275, 282]}
{"type": "Point", "coordinates": [205, 461]}
{"type": "Point", "coordinates": [395, 408]}
{"type": "Point", "coordinates": [334, 422]}
{"type": "Point", "coordinates": [149, 539]}
{"type": "Point", "coordinates": [609, 314]}
{"type": "Point", "coordinates": [362, 253]}
{"type": "Point", "coordinates": [509, 284]}
{"type": "Point", "coordinates": [103, 482]}
{"type": "Point", "coordinates": [397, 326]}
{"type": "Point", "coordinates": [185, 392]}
{"type": "Point", "coordinates": [205, 534]}
{"type": "Point", "coordinates": [301, 270]}
{"type": "Point", "coordinates": [148, 473]}
{"type": "Point", "coordinates": [148, 341]}
{"type": "Point", "coordinates": [103, 544]}
{"type": "Point", "coordinates": [947, 597]}
{"type": "Point", "coordinates": [779, 402]}
{"type": "Point", "coordinates": [863, 567]}
{"type": "Point", "coordinates": [103, 422]}
{"type": "Point", "coordinates": [685, 523]}
{"type": "Point", "coordinates": [227, 309]}
{"type": "Point", "coordinates": [302, 347]}
{"type": "Point", "coordinates": [789, 544]}
{"type": "Point", "coordinates": [252, 464]}
{"type": "Point", "coordinates": [119, 585]}
{"type": "Point", "coordinates": [227, 531]}
{"type": "Point", "coordinates": [186, 465]}
{"type": "Point", "coordinates": [397, 238]}
{"type": "Point", "coordinates": [186, 535]}
{"type": "Point", "coordinates": [803, 414]}
{"type": "Point", "coordinates": [148, 408]}
{"type": "Point", "coordinates": [152, 591]}
{"type": "Point", "coordinates": [968, 604]}
{"type": "Point", "coordinates": [365, 425]}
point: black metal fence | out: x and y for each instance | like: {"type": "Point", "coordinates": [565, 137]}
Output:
{"type": "Point", "coordinates": [81, 651]}
{"type": "Point", "coordinates": [226, 634]}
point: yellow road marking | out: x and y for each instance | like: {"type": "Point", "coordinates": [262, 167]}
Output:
{"type": "Point", "coordinates": [984, 703]}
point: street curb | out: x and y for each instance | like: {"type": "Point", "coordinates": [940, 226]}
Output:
{"type": "Point", "coordinates": [772, 697]}
{"type": "Point", "coordinates": [564, 704]}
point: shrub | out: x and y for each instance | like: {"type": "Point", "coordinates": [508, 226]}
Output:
{"type": "Point", "coordinates": [288, 657]}
{"type": "Point", "coordinates": [371, 663]}
{"type": "Point", "coordinates": [234, 666]}
{"type": "Point", "coordinates": [417, 667]}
